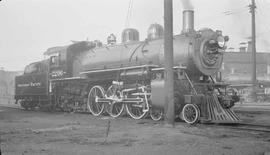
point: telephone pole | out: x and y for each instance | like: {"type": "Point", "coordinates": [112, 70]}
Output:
{"type": "Point", "coordinates": [168, 58]}
{"type": "Point", "coordinates": [252, 7]}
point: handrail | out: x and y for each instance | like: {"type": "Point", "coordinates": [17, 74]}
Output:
{"type": "Point", "coordinates": [192, 86]}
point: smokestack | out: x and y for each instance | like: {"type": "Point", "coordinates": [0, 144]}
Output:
{"type": "Point", "coordinates": [188, 21]}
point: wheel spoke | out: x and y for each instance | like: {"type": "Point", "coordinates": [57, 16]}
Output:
{"type": "Point", "coordinates": [96, 108]}
{"type": "Point", "coordinates": [191, 113]}
{"type": "Point", "coordinates": [156, 114]}
{"type": "Point", "coordinates": [114, 109]}
{"type": "Point", "coordinates": [135, 111]}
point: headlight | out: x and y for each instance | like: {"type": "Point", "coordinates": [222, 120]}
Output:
{"type": "Point", "coordinates": [221, 41]}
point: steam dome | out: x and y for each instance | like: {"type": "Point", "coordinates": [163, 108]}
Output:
{"type": "Point", "coordinates": [129, 35]}
{"type": "Point", "coordinates": [155, 31]}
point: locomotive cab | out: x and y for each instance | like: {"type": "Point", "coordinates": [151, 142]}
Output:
{"type": "Point", "coordinates": [57, 62]}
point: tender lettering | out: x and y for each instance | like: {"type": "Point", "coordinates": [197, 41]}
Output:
{"type": "Point", "coordinates": [31, 84]}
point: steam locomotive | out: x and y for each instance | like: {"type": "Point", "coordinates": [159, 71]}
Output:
{"type": "Point", "coordinates": [129, 77]}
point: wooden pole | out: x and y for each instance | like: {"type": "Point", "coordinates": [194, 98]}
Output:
{"type": "Point", "coordinates": [253, 47]}
{"type": "Point", "coordinates": [168, 56]}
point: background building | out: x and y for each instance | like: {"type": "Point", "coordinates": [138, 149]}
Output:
{"type": "Point", "coordinates": [237, 70]}
{"type": "Point", "coordinates": [7, 86]}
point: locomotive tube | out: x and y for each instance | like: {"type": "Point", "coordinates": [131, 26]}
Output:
{"type": "Point", "coordinates": [199, 52]}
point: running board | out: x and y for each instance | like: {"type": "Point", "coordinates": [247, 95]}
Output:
{"type": "Point", "coordinates": [126, 100]}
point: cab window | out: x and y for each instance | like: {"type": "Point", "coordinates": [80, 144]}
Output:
{"type": "Point", "coordinates": [32, 68]}
{"type": "Point", "coordinates": [55, 60]}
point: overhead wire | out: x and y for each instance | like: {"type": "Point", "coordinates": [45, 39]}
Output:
{"type": "Point", "coordinates": [224, 13]}
{"type": "Point", "coordinates": [129, 13]}
{"type": "Point", "coordinates": [259, 16]}
{"type": "Point", "coordinates": [228, 12]}
{"type": "Point", "coordinates": [262, 19]}
{"type": "Point", "coordinates": [235, 11]}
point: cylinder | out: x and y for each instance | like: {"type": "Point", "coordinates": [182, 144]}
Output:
{"type": "Point", "coordinates": [188, 21]}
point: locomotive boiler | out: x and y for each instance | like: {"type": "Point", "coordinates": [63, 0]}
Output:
{"type": "Point", "coordinates": [129, 77]}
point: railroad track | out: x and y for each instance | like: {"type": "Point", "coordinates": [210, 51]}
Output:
{"type": "Point", "coordinates": [239, 126]}
{"type": "Point", "coordinates": [252, 127]}
{"type": "Point", "coordinates": [10, 106]}
{"type": "Point", "coordinates": [245, 127]}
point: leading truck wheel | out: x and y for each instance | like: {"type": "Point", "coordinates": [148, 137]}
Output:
{"type": "Point", "coordinates": [96, 108]}
{"type": "Point", "coordinates": [191, 113]}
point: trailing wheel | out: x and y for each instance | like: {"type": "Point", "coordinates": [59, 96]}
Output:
{"type": "Point", "coordinates": [96, 108]}
{"type": "Point", "coordinates": [32, 104]}
{"type": "Point", "coordinates": [156, 113]}
{"type": "Point", "coordinates": [114, 109]}
{"type": "Point", "coordinates": [191, 113]}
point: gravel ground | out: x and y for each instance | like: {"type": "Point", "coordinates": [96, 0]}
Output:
{"type": "Point", "coordinates": [40, 133]}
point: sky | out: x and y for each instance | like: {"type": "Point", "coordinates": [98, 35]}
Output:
{"type": "Point", "coordinates": [29, 27]}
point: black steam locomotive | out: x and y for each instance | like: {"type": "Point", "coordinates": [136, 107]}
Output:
{"type": "Point", "coordinates": [129, 77]}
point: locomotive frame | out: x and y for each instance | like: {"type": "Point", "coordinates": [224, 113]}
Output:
{"type": "Point", "coordinates": [129, 77]}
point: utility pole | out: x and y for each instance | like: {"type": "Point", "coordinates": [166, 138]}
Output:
{"type": "Point", "coordinates": [168, 56]}
{"type": "Point", "coordinates": [252, 7]}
